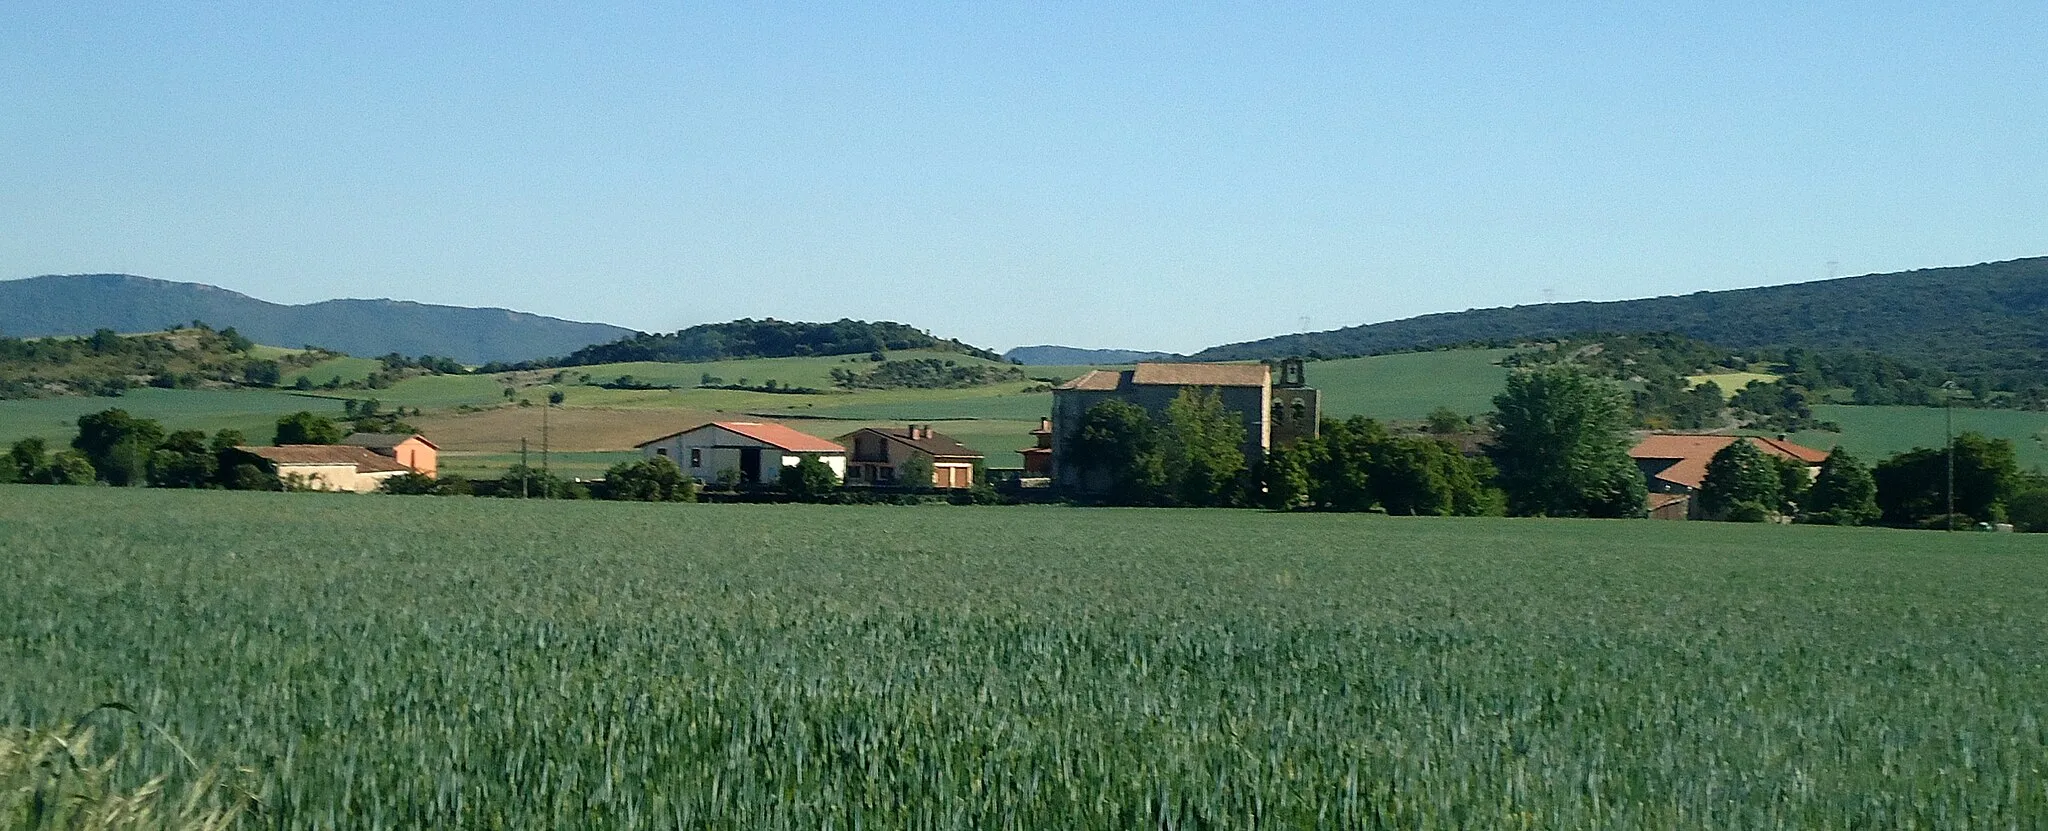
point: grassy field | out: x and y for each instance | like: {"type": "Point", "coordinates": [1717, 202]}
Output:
{"type": "Point", "coordinates": [519, 665]}
{"type": "Point", "coordinates": [254, 412]}
{"type": "Point", "coordinates": [1873, 433]}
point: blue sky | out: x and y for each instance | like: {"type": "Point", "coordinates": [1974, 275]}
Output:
{"type": "Point", "coordinates": [1092, 174]}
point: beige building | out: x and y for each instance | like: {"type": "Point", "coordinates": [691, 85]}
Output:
{"type": "Point", "coordinates": [412, 450]}
{"type": "Point", "coordinates": [877, 454]}
{"type": "Point", "coordinates": [328, 467]}
{"type": "Point", "coordinates": [754, 452]}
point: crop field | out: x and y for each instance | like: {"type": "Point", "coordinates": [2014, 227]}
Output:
{"type": "Point", "coordinates": [1873, 433]}
{"type": "Point", "coordinates": [391, 662]}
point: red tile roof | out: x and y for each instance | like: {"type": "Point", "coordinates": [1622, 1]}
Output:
{"type": "Point", "coordinates": [776, 435]}
{"type": "Point", "coordinates": [1689, 454]}
{"type": "Point", "coordinates": [327, 454]}
{"type": "Point", "coordinates": [1203, 375]}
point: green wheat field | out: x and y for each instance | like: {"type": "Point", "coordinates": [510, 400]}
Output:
{"type": "Point", "coordinates": [388, 662]}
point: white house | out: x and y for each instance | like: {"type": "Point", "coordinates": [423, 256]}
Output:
{"type": "Point", "coordinates": [755, 452]}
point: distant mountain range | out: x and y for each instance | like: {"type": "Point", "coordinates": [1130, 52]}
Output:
{"type": "Point", "coordinates": [1074, 356]}
{"type": "Point", "coordinates": [1990, 318]}
{"type": "Point", "coordinates": [77, 304]}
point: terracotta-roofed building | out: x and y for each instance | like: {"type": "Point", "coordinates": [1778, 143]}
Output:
{"type": "Point", "coordinates": [877, 454]}
{"type": "Point", "coordinates": [410, 449]}
{"type": "Point", "coordinates": [754, 452]}
{"type": "Point", "coordinates": [328, 467]}
{"type": "Point", "coordinates": [1677, 463]}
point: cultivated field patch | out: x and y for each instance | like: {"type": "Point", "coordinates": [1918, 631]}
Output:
{"type": "Point", "coordinates": [463, 663]}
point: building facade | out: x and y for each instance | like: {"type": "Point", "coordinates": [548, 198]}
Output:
{"type": "Point", "coordinates": [1244, 389]}
{"type": "Point", "coordinates": [876, 455]}
{"type": "Point", "coordinates": [745, 453]}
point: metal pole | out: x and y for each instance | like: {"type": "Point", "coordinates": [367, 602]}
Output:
{"type": "Point", "coordinates": [1948, 401]}
{"type": "Point", "coordinates": [523, 469]}
{"type": "Point", "coordinates": [544, 476]}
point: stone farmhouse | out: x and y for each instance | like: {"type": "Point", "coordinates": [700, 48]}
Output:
{"type": "Point", "coordinates": [877, 454]}
{"type": "Point", "coordinates": [359, 464]}
{"type": "Point", "coordinates": [1674, 465]}
{"type": "Point", "coordinates": [1271, 413]}
{"type": "Point", "coordinates": [754, 452]}
{"type": "Point", "coordinates": [327, 467]}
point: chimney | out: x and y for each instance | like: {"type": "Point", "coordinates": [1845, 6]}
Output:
{"type": "Point", "coordinates": [1044, 424]}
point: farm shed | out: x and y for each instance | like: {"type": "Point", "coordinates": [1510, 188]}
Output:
{"type": "Point", "coordinates": [328, 467]}
{"type": "Point", "coordinates": [412, 450]}
{"type": "Point", "coordinates": [1674, 463]}
{"type": "Point", "coordinates": [877, 453]}
{"type": "Point", "coordinates": [755, 452]}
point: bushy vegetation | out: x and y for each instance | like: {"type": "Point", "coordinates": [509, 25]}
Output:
{"type": "Point", "coordinates": [585, 665]}
{"type": "Point", "coordinates": [925, 374]}
{"type": "Point", "coordinates": [106, 363]}
{"type": "Point", "coordinates": [1356, 465]}
{"type": "Point", "coordinates": [750, 338]}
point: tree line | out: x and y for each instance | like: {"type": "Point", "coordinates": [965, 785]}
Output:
{"type": "Point", "coordinates": [1557, 444]}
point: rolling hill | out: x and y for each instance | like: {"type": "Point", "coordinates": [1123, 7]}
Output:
{"type": "Point", "coordinates": [1990, 318]}
{"type": "Point", "coordinates": [1071, 356]}
{"type": "Point", "coordinates": [77, 304]}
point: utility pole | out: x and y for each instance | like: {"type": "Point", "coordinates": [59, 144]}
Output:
{"type": "Point", "coordinates": [524, 471]}
{"type": "Point", "coordinates": [1948, 406]}
{"type": "Point", "coordinates": [544, 474]}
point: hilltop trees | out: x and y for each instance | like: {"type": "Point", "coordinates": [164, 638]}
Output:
{"type": "Point", "coordinates": [1561, 443]}
{"type": "Point", "coordinates": [306, 428]}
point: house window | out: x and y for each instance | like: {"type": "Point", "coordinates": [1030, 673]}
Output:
{"type": "Point", "coordinates": [661, 451]}
{"type": "Point", "coordinates": [696, 457]}
{"type": "Point", "coordinates": [887, 474]}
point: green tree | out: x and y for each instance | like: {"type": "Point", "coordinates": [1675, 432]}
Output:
{"type": "Point", "coordinates": [557, 396]}
{"type": "Point", "coordinates": [118, 445]}
{"type": "Point", "coordinates": [306, 428]}
{"type": "Point", "coordinates": [1560, 445]}
{"type": "Point", "coordinates": [1340, 463]}
{"type": "Point", "coordinates": [225, 456]}
{"type": "Point", "coordinates": [27, 459]}
{"type": "Point", "coordinates": [1118, 442]}
{"type": "Point", "coordinates": [1844, 493]}
{"type": "Point", "coordinates": [69, 467]}
{"type": "Point", "coordinates": [2028, 509]}
{"type": "Point", "coordinates": [1912, 487]}
{"type": "Point", "coordinates": [1444, 420]}
{"type": "Point", "coordinates": [654, 479]}
{"type": "Point", "coordinates": [1429, 477]}
{"type": "Point", "coordinates": [1795, 484]}
{"type": "Point", "coordinates": [1284, 477]}
{"type": "Point", "coordinates": [183, 461]}
{"type": "Point", "coordinates": [810, 479]}
{"type": "Point", "coordinates": [916, 472]}
{"type": "Point", "coordinates": [1739, 474]}
{"type": "Point", "coordinates": [1202, 450]}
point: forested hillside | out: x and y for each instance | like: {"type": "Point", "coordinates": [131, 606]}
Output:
{"type": "Point", "coordinates": [80, 304]}
{"type": "Point", "coordinates": [1987, 319]}
{"type": "Point", "coordinates": [749, 338]}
